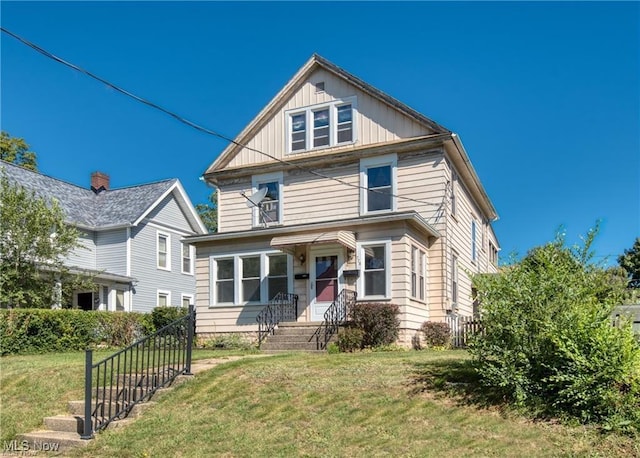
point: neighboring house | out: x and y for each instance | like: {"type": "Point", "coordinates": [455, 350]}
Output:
{"type": "Point", "coordinates": [131, 239]}
{"type": "Point", "coordinates": [362, 193]}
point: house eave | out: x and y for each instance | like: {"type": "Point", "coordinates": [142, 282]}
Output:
{"type": "Point", "coordinates": [410, 217]}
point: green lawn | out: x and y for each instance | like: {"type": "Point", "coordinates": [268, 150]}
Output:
{"type": "Point", "coordinates": [364, 404]}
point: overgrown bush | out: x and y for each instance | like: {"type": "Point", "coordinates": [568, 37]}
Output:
{"type": "Point", "coordinates": [378, 320]}
{"type": "Point", "coordinates": [227, 342]}
{"type": "Point", "coordinates": [436, 333]}
{"type": "Point", "coordinates": [28, 331]}
{"type": "Point", "coordinates": [162, 316]}
{"type": "Point", "coordinates": [549, 344]}
{"type": "Point", "coordinates": [350, 339]}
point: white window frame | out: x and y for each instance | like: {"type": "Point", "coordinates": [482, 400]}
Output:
{"type": "Point", "coordinates": [455, 284]}
{"type": "Point", "coordinates": [191, 259]}
{"type": "Point", "coordinates": [360, 247]}
{"type": "Point", "coordinates": [333, 124]}
{"type": "Point", "coordinates": [379, 161]}
{"type": "Point", "coordinates": [418, 273]}
{"type": "Point", "coordinates": [163, 292]}
{"type": "Point", "coordinates": [237, 266]}
{"type": "Point", "coordinates": [168, 253]}
{"type": "Point", "coordinates": [256, 181]}
{"type": "Point", "coordinates": [184, 296]}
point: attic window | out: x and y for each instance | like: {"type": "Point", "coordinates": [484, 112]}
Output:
{"type": "Point", "coordinates": [319, 86]}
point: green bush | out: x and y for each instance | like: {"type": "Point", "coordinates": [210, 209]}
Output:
{"type": "Point", "coordinates": [162, 316]}
{"type": "Point", "coordinates": [350, 339]}
{"type": "Point", "coordinates": [28, 331]}
{"type": "Point", "coordinates": [227, 342]}
{"type": "Point", "coordinates": [436, 334]}
{"type": "Point", "coordinates": [378, 320]}
{"type": "Point", "coordinates": [549, 344]}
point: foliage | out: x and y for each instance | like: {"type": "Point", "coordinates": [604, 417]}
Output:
{"type": "Point", "coordinates": [333, 348]}
{"type": "Point", "coordinates": [227, 342]}
{"type": "Point", "coordinates": [162, 316]}
{"type": "Point", "coordinates": [34, 239]}
{"type": "Point", "coordinates": [630, 262]}
{"type": "Point", "coordinates": [549, 344]}
{"type": "Point", "coordinates": [350, 339]}
{"type": "Point", "coordinates": [378, 320]}
{"type": "Point", "coordinates": [25, 331]}
{"type": "Point", "coordinates": [436, 334]}
{"type": "Point", "coordinates": [16, 151]}
{"type": "Point", "coordinates": [209, 212]}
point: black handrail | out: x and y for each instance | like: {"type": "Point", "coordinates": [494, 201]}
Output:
{"type": "Point", "coordinates": [132, 375]}
{"type": "Point", "coordinates": [283, 307]}
{"type": "Point", "coordinates": [336, 315]}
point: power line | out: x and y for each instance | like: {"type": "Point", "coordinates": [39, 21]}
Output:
{"type": "Point", "coordinates": [199, 127]}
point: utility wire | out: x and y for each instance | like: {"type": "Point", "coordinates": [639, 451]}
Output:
{"type": "Point", "coordinates": [199, 127]}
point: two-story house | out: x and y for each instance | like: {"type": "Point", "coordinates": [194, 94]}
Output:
{"type": "Point", "coordinates": [131, 240]}
{"type": "Point", "coordinates": [336, 185]}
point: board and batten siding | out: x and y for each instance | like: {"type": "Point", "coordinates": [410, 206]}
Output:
{"type": "Point", "coordinates": [375, 121]}
{"type": "Point", "coordinates": [83, 256]}
{"type": "Point", "coordinates": [111, 251]}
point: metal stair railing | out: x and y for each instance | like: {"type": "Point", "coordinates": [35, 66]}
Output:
{"type": "Point", "coordinates": [283, 307]}
{"type": "Point", "coordinates": [335, 316]}
{"type": "Point", "coordinates": [132, 375]}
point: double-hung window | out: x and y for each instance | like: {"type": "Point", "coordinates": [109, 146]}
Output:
{"type": "Point", "coordinates": [163, 250]}
{"type": "Point", "coordinates": [418, 268]}
{"type": "Point", "coordinates": [187, 259]}
{"type": "Point", "coordinates": [269, 210]}
{"type": "Point", "coordinates": [375, 265]}
{"type": "Point", "coordinates": [261, 276]}
{"type": "Point", "coordinates": [321, 126]}
{"type": "Point", "coordinates": [164, 298]}
{"type": "Point", "coordinates": [378, 184]}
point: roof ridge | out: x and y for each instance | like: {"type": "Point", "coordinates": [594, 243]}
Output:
{"type": "Point", "coordinates": [37, 172]}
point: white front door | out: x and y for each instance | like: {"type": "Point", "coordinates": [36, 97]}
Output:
{"type": "Point", "coordinates": [325, 280]}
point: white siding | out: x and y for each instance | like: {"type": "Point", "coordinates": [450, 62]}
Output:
{"type": "Point", "coordinates": [376, 122]}
{"type": "Point", "coordinates": [169, 213]}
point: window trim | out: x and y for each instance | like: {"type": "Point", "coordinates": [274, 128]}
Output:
{"type": "Point", "coordinates": [256, 181]}
{"type": "Point", "coordinates": [237, 287]}
{"type": "Point", "coordinates": [378, 161]}
{"type": "Point", "coordinates": [360, 246]}
{"type": "Point", "coordinates": [333, 124]}
{"type": "Point", "coordinates": [191, 259]}
{"type": "Point", "coordinates": [164, 292]}
{"type": "Point", "coordinates": [455, 284]}
{"type": "Point", "coordinates": [184, 296]}
{"type": "Point", "coordinates": [168, 252]}
{"type": "Point", "coordinates": [418, 273]}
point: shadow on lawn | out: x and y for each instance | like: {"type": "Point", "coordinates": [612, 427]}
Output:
{"type": "Point", "coordinates": [455, 379]}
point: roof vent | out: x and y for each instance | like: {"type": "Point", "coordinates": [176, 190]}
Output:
{"type": "Point", "coordinates": [320, 86]}
{"type": "Point", "coordinates": [99, 182]}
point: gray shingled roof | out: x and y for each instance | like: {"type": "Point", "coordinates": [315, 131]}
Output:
{"type": "Point", "coordinates": [85, 208]}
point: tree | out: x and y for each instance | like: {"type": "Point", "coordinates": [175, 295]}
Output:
{"type": "Point", "coordinates": [34, 240]}
{"type": "Point", "coordinates": [16, 151]}
{"type": "Point", "coordinates": [209, 212]}
{"type": "Point", "coordinates": [630, 262]}
{"type": "Point", "coordinates": [548, 341]}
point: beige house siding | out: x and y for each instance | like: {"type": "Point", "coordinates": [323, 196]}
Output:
{"type": "Point", "coordinates": [376, 122]}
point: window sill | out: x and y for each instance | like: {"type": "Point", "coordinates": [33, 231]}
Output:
{"type": "Point", "coordinates": [166, 269]}
{"type": "Point", "coordinates": [320, 148]}
{"type": "Point", "coordinates": [373, 298]}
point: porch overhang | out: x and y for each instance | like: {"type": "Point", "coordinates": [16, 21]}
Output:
{"type": "Point", "coordinates": [344, 238]}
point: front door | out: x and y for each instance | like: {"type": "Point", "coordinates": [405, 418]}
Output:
{"type": "Point", "coordinates": [325, 282]}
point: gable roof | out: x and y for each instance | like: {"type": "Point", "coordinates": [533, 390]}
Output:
{"type": "Point", "coordinates": [315, 62]}
{"type": "Point", "coordinates": [112, 208]}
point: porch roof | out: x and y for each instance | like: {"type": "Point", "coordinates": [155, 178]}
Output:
{"type": "Point", "coordinates": [344, 238]}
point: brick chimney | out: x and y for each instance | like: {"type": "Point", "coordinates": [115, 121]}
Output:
{"type": "Point", "coordinates": [99, 182]}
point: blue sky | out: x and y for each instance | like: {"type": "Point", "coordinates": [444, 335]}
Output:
{"type": "Point", "coordinates": [545, 95]}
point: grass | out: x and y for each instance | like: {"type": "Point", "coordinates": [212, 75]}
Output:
{"type": "Point", "coordinates": [362, 404]}
{"type": "Point", "coordinates": [36, 386]}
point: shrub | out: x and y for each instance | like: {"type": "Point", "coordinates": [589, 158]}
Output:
{"type": "Point", "coordinates": [436, 334]}
{"type": "Point", "coordinates": [350, 339]}
{"type": "Point", "coordinates": [378, 320]}
{"type": "Point", "coordinates": [162, 316]}
{"type": "Point", "coordinates": [549, 344]}
{"type": "Point", "coordinates": [227, 342]}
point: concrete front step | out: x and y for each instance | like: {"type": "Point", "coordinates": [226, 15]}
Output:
{"type": "Point", "coordinates": [271, 345]}
{"type": "Point", "coordinates": [65, 423]}
{"type": "Point", "coordinates": [48, 441]}
{"type": "Point", "coordinates": [77, 407]}
{"type": "Point", "coordinates": [300, 324]}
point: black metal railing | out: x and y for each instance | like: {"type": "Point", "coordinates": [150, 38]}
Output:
{"type": "Point", "coordinates": [116, 384]}
{"type": "Point", "coordinates": [335, 316]}
{"type": "Point", "coordinates": [283, 307]}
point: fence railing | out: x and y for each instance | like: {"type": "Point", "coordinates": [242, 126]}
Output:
{"type": "Point", "coordinates": [283, 307]}
{"type": "Point", "coordinates": [462, 328]}
{"type": "Point", "coordinates": [336, 315]}
{"type": "Point", "coordinates": [116, 384]}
